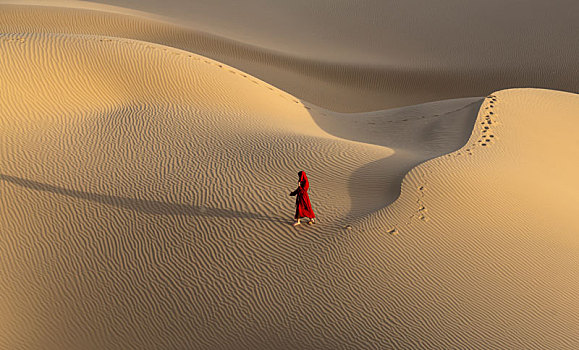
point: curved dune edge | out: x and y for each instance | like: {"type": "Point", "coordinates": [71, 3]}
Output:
{"type": "Point", "coordinates": [81, 85]}
{"type": "Point", "coordinates": [396, 129]}
{"type": "Point", "coordinates": [494, 225]}
{"type": "Point", "coordinates": [347, 87]}
{"type": "Point", "coordinates": [499, 141]}
{"type": "Point", "coordinates": [97, 256]}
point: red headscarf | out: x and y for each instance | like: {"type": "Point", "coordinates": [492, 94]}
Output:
{"type": "Point", "coordinates": [304, 183]}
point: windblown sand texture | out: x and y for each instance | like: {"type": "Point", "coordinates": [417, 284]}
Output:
{"type": "Point", "coordinates": [145, 169]}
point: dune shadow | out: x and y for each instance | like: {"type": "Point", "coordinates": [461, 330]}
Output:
{"type": "Point", "coordinates": [147, 206]}
{"type": "Point", "coordinates": [435, 135]}
{"type": "Point", "coordinates": [382, 179]}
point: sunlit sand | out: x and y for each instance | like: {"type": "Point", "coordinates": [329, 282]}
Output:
{"type": "Point", "coordinates": [147, 152]}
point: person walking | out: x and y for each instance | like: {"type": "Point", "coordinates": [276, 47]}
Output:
{"type": "Point", "coordinates": [303, 205]}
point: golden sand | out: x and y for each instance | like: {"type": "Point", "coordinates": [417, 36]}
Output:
{"type": "Point", "coordinates": [144, 198]}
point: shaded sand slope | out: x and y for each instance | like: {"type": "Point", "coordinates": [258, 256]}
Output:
{"type": "Point", "coordinates": [342, 59]}
{"type": "Point", "coordinates": [417, 133]}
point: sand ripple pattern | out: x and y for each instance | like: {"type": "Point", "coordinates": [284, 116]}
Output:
{"type": "Point", "coordinates": [144, 205]}
{"type": "Point", "coordinates": [145, 202]}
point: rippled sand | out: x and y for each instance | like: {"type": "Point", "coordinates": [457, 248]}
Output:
{"type": "Point", "coordinates": [144, 194]}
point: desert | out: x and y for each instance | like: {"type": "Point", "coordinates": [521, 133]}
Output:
{"type": "Point", "coordinates": [147, 150]}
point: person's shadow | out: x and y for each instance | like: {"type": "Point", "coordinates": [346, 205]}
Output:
{"type": "Point", "coordinates": [141, 205]}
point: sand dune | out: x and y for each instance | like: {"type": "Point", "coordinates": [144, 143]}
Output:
{"type": "Point", "coordinates": [144, 196]}
{"type": "Point", "coordinates": [347, 63]}
{"type": "Point", "coordinates": [492, 230]}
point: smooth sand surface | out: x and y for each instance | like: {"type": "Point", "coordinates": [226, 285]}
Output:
{"type": "Point", "coordinates": [341, 55]}
{"type": "Point", "coordinates": [144, 202]}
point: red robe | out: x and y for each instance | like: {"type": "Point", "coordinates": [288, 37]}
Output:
{"type": "Point", "coordinates": [303, 205]}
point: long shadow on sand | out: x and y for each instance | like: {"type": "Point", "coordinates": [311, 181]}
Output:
{"type": "Point", "coordinates": [147, 206]}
